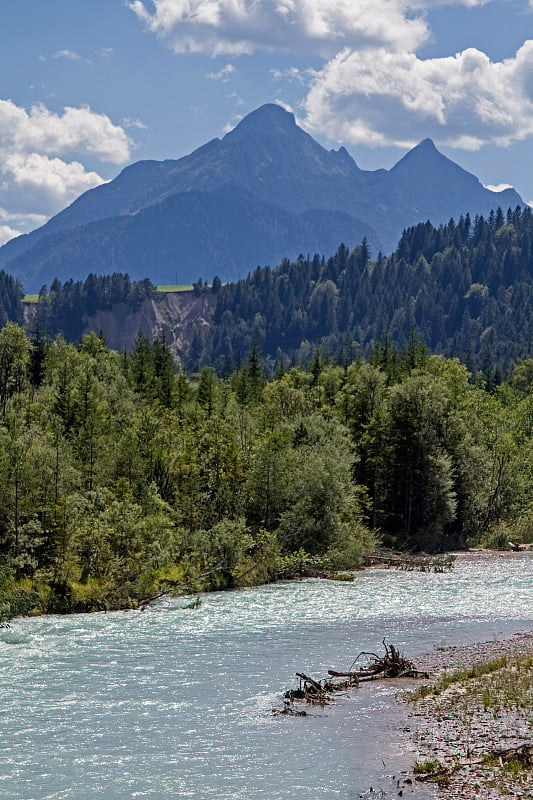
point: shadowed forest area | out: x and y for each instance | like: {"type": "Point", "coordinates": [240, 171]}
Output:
{"type": "Point", "coordinates": [465, 288]}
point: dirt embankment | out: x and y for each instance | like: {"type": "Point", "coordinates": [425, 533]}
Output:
{"type": "Point", "coordinates": [178, 315]}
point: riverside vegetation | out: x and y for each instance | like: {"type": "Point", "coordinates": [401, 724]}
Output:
{"type": "Point", "coordinates": [121, 478]}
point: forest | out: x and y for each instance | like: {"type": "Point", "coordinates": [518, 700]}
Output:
{"type": "Point", "coordinates": [123, 477]}
{"type": "Point", "coordinates": [64, 307]}
{"type": "Point", "coordinates": [465, 288]}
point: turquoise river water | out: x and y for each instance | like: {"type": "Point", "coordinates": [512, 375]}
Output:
{"type": "Point", "coordinates": [173, 703]}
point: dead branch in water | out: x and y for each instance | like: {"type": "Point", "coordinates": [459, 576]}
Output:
{"type": "Point", "coordinates": [391, 665]}
{"type": "Point", "coordinates": [443, 562]}
{"type": "Point", "coordinates": [321, 693]}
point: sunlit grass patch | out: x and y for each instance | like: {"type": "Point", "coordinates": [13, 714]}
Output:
{"type": "Point", "coordinates": [432, 770]}
{"type": "Point", "coordinates": [173, 288]}
{"type": "Point", "coordinates": [459, 676]}
{"type": "Point", "coordinates": [31, 298]}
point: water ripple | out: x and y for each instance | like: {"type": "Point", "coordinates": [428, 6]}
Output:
{"type": "Point", "coordinates": [168, 703]}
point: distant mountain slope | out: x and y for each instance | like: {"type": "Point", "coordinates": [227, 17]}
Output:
{"type": "Point", "coordinates": [272, 174]}
{"type": "Point", "coordinates": [188, 236]}
{"type": "Point", "coordinates": [120, 310]}
{"type": "Point", "coordinates": [435, 187]}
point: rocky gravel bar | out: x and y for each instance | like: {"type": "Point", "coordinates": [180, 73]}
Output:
{"type": "Point", "coordinates": [446, 659]}
{"type": "Point", "coordinates": [473, 722]}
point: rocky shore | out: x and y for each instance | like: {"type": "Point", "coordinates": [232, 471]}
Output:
{"type": "Point", "coordinates": [446, 659]}
{"type": "Point", "coordinates": [473, 724]}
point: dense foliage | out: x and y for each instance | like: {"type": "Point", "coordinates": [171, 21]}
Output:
{"type": "Point", "coordinates": [120, 477]}
{"type": "Point", "coordinates": [465, 288]}
{"type": "Point", "coordinates": [10, 299]}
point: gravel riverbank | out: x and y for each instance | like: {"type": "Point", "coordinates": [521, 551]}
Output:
{"type": "Point", "coordinates": [452, 658]}
{"type": "Point", "coordinates": [474, 731]}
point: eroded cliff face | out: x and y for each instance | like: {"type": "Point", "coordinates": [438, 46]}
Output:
{"type": "Point", "coordinates": [177, 315]}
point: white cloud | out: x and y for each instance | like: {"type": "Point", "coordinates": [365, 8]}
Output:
{"type": "Point", "coordinates": [7, 233]}
{"type": "Point", "coordinates": [382, 97]}
{"type": "Point", "coordinates": [70, 55]}
{"type": "Point", "coordinates": [223, 74]}
{"type": "Point", "coordinates": [8, 216]}
{"type": "Point", "coordinates": [317, 26]}
{"type": "Point", "coordinates": [76, 130]}
{"type": "Point", "coordinates": [234, 121]}
{"type": "Point", "coordinates": [36, 179]}
{"type": "Point", "coordinates": [286, 106]}
{"type": "Point", "coordinates": [500, 187]}
{"type": "Point", "coordinates": [240, 101]}
{"type": "Point", "coordinates": [134, 123]}
{"type": "Point", "coordinates": [243, 26]}
{"type": "Point", "coordinates": [292, 75]}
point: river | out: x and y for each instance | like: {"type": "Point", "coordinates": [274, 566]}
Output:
{"type": "Point", "coordinates": [174, 703]}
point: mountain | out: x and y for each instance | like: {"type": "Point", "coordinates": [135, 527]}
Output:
{"type": "Point", "coordinates": [266, 191]}
{"type": "Point", "coordinates": [434, 187]}
{"type": "Point", "coordinates": [187, 236]}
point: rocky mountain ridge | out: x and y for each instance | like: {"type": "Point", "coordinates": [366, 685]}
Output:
{"type": "Point", "coordinates": [265, 191]}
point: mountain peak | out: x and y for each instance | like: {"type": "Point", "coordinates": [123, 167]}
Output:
{"type": "Point", "coordinates": [425, 156]}
{"type": "Point", "coordinates": [426, 144]}
{"type": "Point", "coordinates": [269, 117]}
{"type": "Point", "coordinates": [287, 174]}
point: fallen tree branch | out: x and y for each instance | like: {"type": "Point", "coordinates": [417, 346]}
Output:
{"type": "Point", "coordinates": [391, 665]}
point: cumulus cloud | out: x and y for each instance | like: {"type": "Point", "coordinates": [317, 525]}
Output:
{"type": "Point", "coordinates": [243, 26]}
{"type": "Point", "coordinates": [397, 98]}
{"type": "Point", "coordinates": [75, 130]}
{"type": "Point", "coordinates": [41, 155]}
{"type": "Point", "coordinates": [7, 233]}
{"type": "Point", "coordinates": [20, 219]}
{"type": "Point", "coordinates": [318, 26]}
{"type": "Point", "coordinates": [37, 181]}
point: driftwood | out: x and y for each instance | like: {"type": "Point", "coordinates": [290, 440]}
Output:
{"type": "Point", "coordinates": [523, 754]}
{"type": "Point", "coordinates": [288, 710]}
{"type": "Point", "coordinates": [391, 665]}
{"type": "Point", "coordinates": [442, 562]}
{"type": "Point", "coordinates": [321, 693]}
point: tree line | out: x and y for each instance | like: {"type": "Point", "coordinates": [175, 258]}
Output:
{"type": "Point", "coordinates": [465, 288]}
{"type": "Point", "coordinates": [122, 476]}
{"type": "Point", "coordinates": [64, 307]}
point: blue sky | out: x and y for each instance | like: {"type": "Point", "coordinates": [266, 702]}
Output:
{"type": "Point", "coordinates": [87, 87]}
